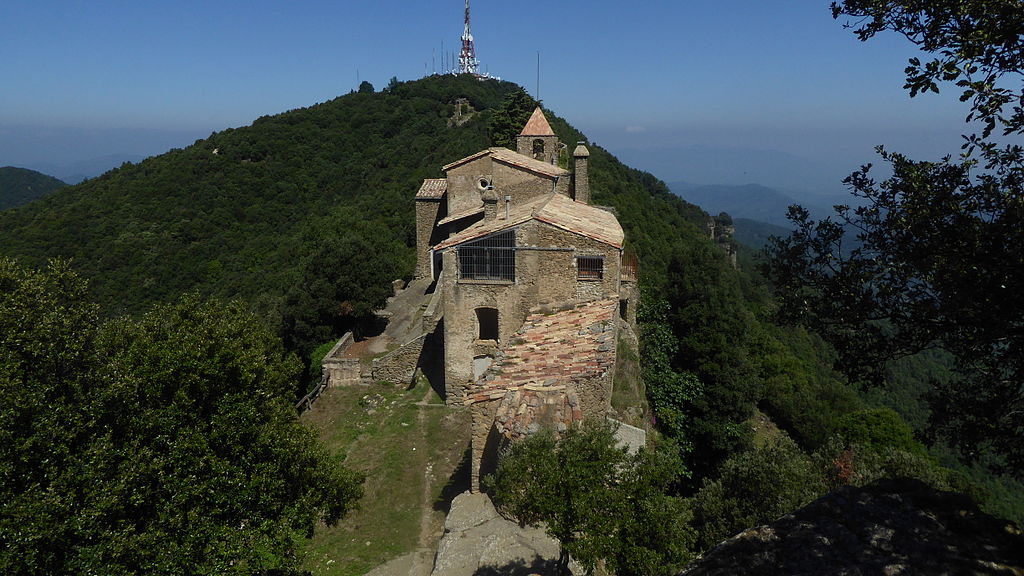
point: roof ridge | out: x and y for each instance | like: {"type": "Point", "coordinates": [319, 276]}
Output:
{"type": "Point", "coordinates": [537, 125]}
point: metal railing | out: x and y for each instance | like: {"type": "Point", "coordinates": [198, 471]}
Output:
{"type": "Point", "coordinates": [630, 266]}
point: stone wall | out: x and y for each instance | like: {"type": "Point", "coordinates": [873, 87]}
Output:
{"type": "Point", "coordinates": [629, 293]}
{"type": "Point", "coordinates": [522, 185]}
{"type": "Point", "coordinates": [428, 212]}
{"type": "Point", "coordinates": [524, 145]}
{"type": "Point", "coordinates": [595, 393]}
{"type": "Point", "coordinates": [338, 370]}
{"type": "Point", "coordinates": [560, 275]}
{"type": "Point", "coordinates": [399, 366]}
{"type": "Point", "coordinates": [629, 437]}
{"type": "Point", "coordinates": [463, 191]}
{"type": "Point", "coordinates": [484, 440]}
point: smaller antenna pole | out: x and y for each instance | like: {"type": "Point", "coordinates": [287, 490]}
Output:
{"type": "Point", "coordinates": [537, 94]}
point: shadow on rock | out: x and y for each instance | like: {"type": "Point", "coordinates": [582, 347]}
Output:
{"type": "Point", "coordinates": [539, 566]}
{"type": "Point", "coordinates": [457, 483]}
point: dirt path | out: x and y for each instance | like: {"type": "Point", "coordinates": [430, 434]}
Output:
{"type": "Point", "coordinates": [427, 538]}
{"type": "Point", "coordinates": [421, 561]}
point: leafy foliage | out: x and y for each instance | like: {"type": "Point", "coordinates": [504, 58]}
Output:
{"type": "Point", "coordinates": [509, 118]}
{"type": "Point", "coordinates": [755, 487]}
{"type": "Point", "coordinates": [599, 502]}
{"type": "Point", "coordinates": [877, 428]}
{"type": "Point", "coordinates": [163, 444]}
{"type": "Point", "coordinates": [246, 212]}
{"type": "Point", "coordinates": [939, 256]}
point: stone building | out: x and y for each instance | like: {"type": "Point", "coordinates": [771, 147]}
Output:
{"type": "Point", "coordinates": [520, 256]}
{"type": "Point", "coordinates": [525, 289]}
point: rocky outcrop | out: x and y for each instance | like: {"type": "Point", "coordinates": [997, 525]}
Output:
{"type": "Point", "coordinates": [890, 527]}
{"type": "Point", "coordinates": [479, 542]}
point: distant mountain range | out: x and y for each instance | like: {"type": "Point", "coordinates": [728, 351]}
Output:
{"type": "Point", "coordinates": [75, 172]}
{"type": "Point", "coordinates": [20, 186]}
{"type": "Point", "coordinates": [755, 201]}
{"type": "Point", "coordinates": [708, 164]}
{"type": "Point", "coordinates": [759, 212]}
{"type": "Point", "coordinates": [755, 234]}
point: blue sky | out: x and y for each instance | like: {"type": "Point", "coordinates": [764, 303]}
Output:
{"type": "Point", "coordinates": [728, 75]}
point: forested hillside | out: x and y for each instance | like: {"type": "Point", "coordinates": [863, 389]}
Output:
{"type": "Point", "coordinates": [308, 215]}
{"type": "Point", "coordinates": [310, 204]}
{"type": "Point", "coordinates": [20, 186]}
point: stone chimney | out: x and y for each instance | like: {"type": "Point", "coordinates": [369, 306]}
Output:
{"type": "Point", "coordinates": [582, 183]}
{"type": "Point", "coordinates": [490, 203]}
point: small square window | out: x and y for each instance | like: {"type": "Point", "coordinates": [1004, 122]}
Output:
{"type": "Point", "coordinates": [589, 267]}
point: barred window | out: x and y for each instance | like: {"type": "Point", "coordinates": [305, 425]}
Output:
{"type": "Point", "coordinates": [490, 258]}
{"type": "Point", "coordinates": [589, 267]}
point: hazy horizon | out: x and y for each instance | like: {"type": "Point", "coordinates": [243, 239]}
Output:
{"type": "Point", "coordinates": [734, 82]}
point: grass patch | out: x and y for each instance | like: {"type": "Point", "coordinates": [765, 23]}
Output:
{"type": "Point", "coordinates": [765, 431]}
{"type": "Point", "coordinates": [408, 454]}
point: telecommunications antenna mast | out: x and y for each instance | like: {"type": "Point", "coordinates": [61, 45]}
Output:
{"type": "Point", "coordinates": [468, 63]}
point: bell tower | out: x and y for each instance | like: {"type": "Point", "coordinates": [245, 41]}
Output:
{"type": "Point", "coordinates": [538, 140]}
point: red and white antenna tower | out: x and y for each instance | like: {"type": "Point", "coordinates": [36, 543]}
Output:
{"type": "Point", "coordinates": [468, 63]}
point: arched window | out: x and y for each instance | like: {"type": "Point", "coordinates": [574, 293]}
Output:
{"type": "Point", "coordinates": [487, 320]}
{"type": "Point", "coordinates": [538, 149]}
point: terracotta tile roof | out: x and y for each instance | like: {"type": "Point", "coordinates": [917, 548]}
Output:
{"type": "Point", "coordinates": [583, 219]}
{"type": "Point", "coordinates": [537, 125]}
{"type": "Point", "coordinates": [554, 209]}
{"type": "Point", "coordinates": [513, 158]}
{"type": "Point", "coordinates": [553, 350]}
{"type": "Point", "coordinates": [532, 164]}
{"type": "Point", "coordinates": [517, 214]}
{"type": "Point", "coordinates": [433, 188]}
{"type": "Point", "coordinates": [461, 215]}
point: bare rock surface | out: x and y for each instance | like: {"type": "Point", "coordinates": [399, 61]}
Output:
{"type": "Point", "coordinates": [891, 527]}
{"type": "Point", "coordinates": [479, 542]}
{"type": "Point", "coordinates": [418, 563]}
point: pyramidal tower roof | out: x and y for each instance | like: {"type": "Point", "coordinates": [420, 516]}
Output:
{"type": "Point", "coordinates": [537, 125]}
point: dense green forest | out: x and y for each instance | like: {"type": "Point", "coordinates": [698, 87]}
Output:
{"type": "Point", "coordinates": [20, 186]}
{"type": "Point", "coordinates": [307, 216]}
